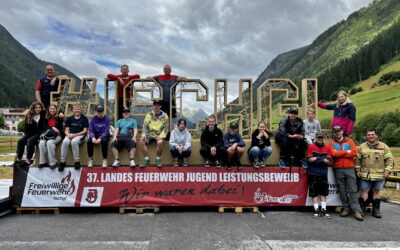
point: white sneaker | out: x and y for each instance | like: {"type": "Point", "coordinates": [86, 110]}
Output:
{"type": "Point", "coordinates": [116, 163]}
{"type": "Point", "coordinates": [90, 163]}
{"type": "Point", "coordinates": [132, 163]}
{"type": "Point", "coordinates": [105, 163]}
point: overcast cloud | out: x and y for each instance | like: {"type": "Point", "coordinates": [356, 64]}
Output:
{"type": "Point", "coordinates": [200, 39]}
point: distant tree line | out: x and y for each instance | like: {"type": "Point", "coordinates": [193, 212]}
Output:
{"type": "Point", "coordinates": [362, 64]}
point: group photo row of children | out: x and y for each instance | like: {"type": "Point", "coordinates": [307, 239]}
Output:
{"type": "Point", "coordinates": [301, 143]}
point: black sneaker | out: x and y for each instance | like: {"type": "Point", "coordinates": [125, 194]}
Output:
{"type": "Point", "coordinates": [228, 165]}
{"type": "Point", "coordinates": [77, 165]}
{"type": "Point", "coordinates": [324, 214]}
{"type": "Point", "coordinates": [16, 164]}
{"type": "Point", "coordinates": [217, 164]}
{"type": "Point", "coordinates": [207, 164]}
{"type": "Point", "coordinates": [316, 214]}
{"type": "Point", "coordinates": [53, 166]}
{"type": "Point", "coordinates": [42, 165]}
{"type": "Point", "coordinates": [239, 165]}
{"type": "Point", "coordinates": [61, 166]}
{"type": "Point", "coordinates": [25, 164]}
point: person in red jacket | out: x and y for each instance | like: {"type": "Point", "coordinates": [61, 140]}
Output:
{"type": "Point", "coordinates": [344, 112]}
{"type": "Point", "coordinates": [344, 151]}
{"type": "Point", "coordinates": [123, 80]}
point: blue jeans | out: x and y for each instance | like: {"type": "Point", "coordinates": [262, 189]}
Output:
{"type": "Point", "coordinates": [259, 154]}
{"type": "Point", "coordinates": [368, 184]}
{"type": "Point", "coordinates": [175, 153]}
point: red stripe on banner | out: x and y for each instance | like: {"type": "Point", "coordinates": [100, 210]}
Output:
{"type": "Point", "coordinates": [192, 186]}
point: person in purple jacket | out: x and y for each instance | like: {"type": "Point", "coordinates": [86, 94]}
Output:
{"type": "Point", "coordinates": [99, 133]}
{"type": "Point", "coordinates": [234, 145]}
{"type": "Point", "coordinates": [344, 112]}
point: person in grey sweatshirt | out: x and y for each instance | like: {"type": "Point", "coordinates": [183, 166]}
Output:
{"type": "Point", "coordinates": [180, 143]}
{"type": "Point", "coordinates": [311, 126]}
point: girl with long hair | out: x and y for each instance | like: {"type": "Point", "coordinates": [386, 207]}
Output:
{"type": "Point", "coordinates": [344, 112]}
{"type": "Point", "coordinates": [35, 124]}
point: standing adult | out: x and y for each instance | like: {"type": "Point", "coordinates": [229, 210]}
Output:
{"type": "Point", "coordinates": [344, 151]}
{"type": "Point", "coordinates": [51, 137]}
{"type": "Point", "coordinates": [123, 79]}
{"type": "Point", "coordinates": [344, 112]}
{"type": "Point", "coordinates": [99, 133]}
{"type": "Point", "coordinates": [166, 81]}
{"type": "Point", "coordinates": [35, 124]}
{"type": "Point", "coordinates": [212, 143]}
{"type": "Point", "coordinates": [290, 137]}
{"type": "Point", "coordinates": [46, 85]}
{"type": "Point", "coordinates": [155, 127]}
{"type": "Point", "coordinates": [373, 164]}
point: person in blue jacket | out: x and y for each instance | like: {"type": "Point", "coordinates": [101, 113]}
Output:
{"type": "Point", "coordinates": [234, 145]}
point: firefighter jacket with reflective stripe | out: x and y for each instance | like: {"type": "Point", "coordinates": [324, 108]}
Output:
{"type": "Point", "coordinates": [373, 161]}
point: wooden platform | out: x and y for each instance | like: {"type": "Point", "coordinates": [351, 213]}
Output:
{"type": "Point", "coordinates": [238, 209]}
{"type": "Point", "coordinates": [37, 210]}
{"type": "Point", "coordinates": [139, 210]}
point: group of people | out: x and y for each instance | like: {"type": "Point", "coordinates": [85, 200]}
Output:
{"type": "Point", "coordinates": [301, 143]}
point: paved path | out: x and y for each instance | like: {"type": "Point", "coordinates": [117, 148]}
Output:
{"type": "Point", "coordinates": [193, 228]}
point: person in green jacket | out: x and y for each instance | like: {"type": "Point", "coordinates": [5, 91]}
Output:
{"type": "Point", "coordinates": [155, 129]}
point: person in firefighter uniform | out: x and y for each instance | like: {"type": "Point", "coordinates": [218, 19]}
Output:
{"type": "Point", "coordinates": [373, 164]}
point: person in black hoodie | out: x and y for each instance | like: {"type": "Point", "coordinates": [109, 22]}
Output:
{"type": "Point", "coordinates": [260, 148]}
{"type": "Point", "coordinates": [290, 137]}
{"type": "Point", "coordinates": [35, 124]}
{"type": "Point", "coordinates": [212, 144]}
{"type": "Point", "coordinates": [51, 137]}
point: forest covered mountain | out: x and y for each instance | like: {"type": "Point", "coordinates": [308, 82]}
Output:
{"type": "Point", "coordinates": [348, 52]}
{"type": "Point", "coordinates": [19, 71]}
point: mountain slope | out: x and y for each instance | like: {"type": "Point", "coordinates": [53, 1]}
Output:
{"type": "Point", "coordinates": [19, 71]}
{"type": "Point", "coordinates": [336, 45]}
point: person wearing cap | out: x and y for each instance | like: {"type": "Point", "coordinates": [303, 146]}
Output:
{"type": "Point", "coordinates": [122, 81]}
{"type": "Point", "coordinates": [125, 134]}
{"type": "Point", "coordinates": [260, 148]}
{"type": "Point", "coordinates": [99, 133]}
{"type": "Point", "coordinates": [344, 112]}
{"type": "Point", "coordinates": [344, 152]}
{"type": "Point", "coordinates": [290, 138]}
{"type": "Point", "coordinates": [212, 143]}
{"type": "Point", "coordinates": [373, 164]}
{"type": "Point", "coordinates": [166, 81]}
{"type": "Point", "coordinates": [234, 146]}
{"type": "Point", "coordinates": [155, 129]}
{"type": "Point", "coordinates": [76, 127]}
{"type": "Point", "coordinates": [318, 157]}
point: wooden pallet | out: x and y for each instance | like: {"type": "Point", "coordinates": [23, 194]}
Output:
{"type": "Point", "coordinates": [37, 210]}
{"type": "Point", "coordinates": [139, 210]}
{"type": "Point", "coordinates": [238, 209]}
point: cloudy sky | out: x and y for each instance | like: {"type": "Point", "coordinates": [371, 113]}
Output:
{"type": "Point", "coordinates": [200, 39]}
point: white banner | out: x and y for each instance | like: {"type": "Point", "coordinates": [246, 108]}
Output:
{"type": "Point", "coordinates": [47, 187]}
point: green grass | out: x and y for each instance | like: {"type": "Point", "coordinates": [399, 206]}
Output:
{"type": "Point", "coordinates": [367, 84]}
{"type": "Point", "coordinates": [5, 147]}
